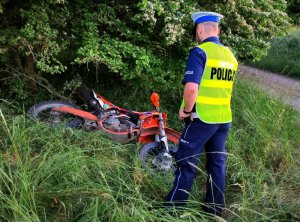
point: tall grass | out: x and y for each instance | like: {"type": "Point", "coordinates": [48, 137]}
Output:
{"type": "Point", "coordinates": [283, 55]}
{"type": "Point", "coordinates": [54, 174]}
{"type": "Point", "coordinates": [264, 147]}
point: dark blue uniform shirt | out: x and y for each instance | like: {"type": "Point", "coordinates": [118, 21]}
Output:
{"type": "Point", "coordinates": [196, 63]}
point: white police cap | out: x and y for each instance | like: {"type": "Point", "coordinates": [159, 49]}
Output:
{"type": "Point", "coordinates": [199, 17]}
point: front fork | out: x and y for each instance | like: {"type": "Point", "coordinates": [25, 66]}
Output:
{"type": "Point", "coordinates": [162, 133]}
{"type": "Point", "coordinates": [166, 157]}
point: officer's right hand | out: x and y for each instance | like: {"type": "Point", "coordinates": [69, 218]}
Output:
{"type": "Point", "coordinates": [183, 115]}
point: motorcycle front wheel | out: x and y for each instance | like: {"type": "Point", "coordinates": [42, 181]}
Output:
{"type": "Point", "coordinates": [154, 158]}
{"type": "Point", "coordinates": [44, 112]}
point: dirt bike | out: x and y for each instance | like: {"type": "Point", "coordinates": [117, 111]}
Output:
{"type": "Point", "coordinates": [122, 125]}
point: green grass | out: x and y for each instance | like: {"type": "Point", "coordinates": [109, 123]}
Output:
{"type": "Point", "coordinates": [53, 174]}
{"type": "Point", "coordinates": [283, 55]}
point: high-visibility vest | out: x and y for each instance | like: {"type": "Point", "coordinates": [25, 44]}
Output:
{"type": "Point", "coordinates": [215, 89]}
{"type": "Point", "coordinates": [214, 95]}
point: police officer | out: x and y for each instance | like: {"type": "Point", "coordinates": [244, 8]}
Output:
{"type": "Point", "coordinates": [208, 81]}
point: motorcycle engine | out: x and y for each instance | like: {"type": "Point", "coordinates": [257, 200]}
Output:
{"type": "Point", "coordinates": [113, 123]}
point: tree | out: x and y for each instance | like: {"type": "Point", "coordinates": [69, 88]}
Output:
{"type": "Point", "coordinates": [294, 10]}
{"type": "Point", "coordinates": [143, 41]}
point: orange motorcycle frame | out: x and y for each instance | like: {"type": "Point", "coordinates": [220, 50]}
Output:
{"type": "Point", "coordinates": [149, 124]}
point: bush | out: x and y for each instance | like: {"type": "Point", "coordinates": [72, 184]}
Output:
{"type": "Point", "coordinates": [144, 43]}
{"type": "Point", "coordinates": [283, 55]}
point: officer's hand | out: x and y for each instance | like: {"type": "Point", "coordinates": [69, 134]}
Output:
{"type": "Point", "coordinates": [182, 115]}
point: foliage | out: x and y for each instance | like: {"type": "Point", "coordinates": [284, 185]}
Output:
{"type": "Point", "coordinates": [145, 43]}
{"type": "Point", "coordinates": [54, 174]}
{"type": "Point", "coordinates": [294, 10]}
{"type": "Point", "coordinates": [249, 24]}
{"type": "Point", "coordinates": [283, 55]}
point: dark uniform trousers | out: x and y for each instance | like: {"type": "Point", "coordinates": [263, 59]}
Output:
{"type": "Point", "coordinates": [196, 136]}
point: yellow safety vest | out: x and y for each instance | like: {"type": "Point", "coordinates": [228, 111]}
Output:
{"type": "Point", "coordinates": [215, 89]}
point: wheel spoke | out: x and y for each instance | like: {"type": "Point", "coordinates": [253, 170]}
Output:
{"type": "Point", "coordinates": [44, 112]}
{"type": "Point", "coordinates": [156, 159]}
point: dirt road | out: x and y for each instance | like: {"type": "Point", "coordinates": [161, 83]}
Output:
{"type": "Point", "coordinates": [284, 88]}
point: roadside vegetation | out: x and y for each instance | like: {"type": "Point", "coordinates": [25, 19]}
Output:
{"type": "Point", "coordinates": [283, 56]}
{"type": "Point", "coordinates": [55, 174]}
{"type": "Point", "coordinates": [56, 45]}
{"type": "Point", "coordinates": [283, 53]}
{"type": "Point", "coordinates": [123, 50]}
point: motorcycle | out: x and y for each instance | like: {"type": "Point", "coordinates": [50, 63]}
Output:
{"type": "Point", "coordinates": [148, 128]}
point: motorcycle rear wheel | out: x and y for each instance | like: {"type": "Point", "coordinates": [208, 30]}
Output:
{"type": "Point", "coordinates": [153, 157]}
{"type": "Point", "coordinates": [43, 112]}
